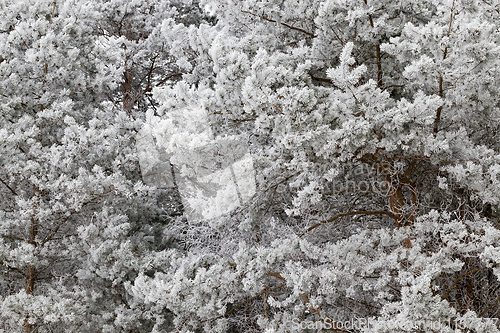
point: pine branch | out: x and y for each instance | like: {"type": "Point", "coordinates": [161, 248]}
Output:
{"type": "Point", "coordinates": [49, 237]}
{"type": "Point", "coordinates": [359, 212]}
{"type": "Point", "coordinates": [265, 290]}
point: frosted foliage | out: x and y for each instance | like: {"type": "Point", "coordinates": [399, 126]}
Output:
{"type": "Point", "coordinates": [207, 196]}
{"type": "Point", "coordinates": [77, 221]}
{"type": "Point", "coordinates": [334, 166]}
{"type": "Point", "coordinates": [214, 175]}
{"type": "Point", "coordinates": [305, 280]}
{"type": "Point", "coordinates": [370, 129]}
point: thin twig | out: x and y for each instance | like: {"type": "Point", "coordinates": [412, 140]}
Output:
{"type": "Point", "coordinates": [7, 185]}
{"type": "Point", "coordinates": [359, 212]}
{"type": "Point", "coordinates": [464, 275]}
{"type": "Point", "coordinates": [13, 237]}
{"type": "Point", "coordinates": [283, 24]}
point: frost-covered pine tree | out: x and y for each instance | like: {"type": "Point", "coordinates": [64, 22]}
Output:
{"type": "Point", "coordinates": [353, 145]}
{"type": "Point", "coordinates": [372, 126]}
{"type": "Point", "coordinates": [77, 222]}
{"type": "Point", "coordinates": [146, 43]}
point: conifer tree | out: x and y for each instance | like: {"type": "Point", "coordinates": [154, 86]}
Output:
{"type": "Point", "coordinates": [77, 222]}
{"type": "Point", "coordinates": [372, 127]}
{"type": "Point", "coordinates": [357, 140]}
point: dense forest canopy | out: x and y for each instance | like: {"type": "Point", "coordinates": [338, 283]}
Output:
{"type": "Point", "coordinates": [249, 166]}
